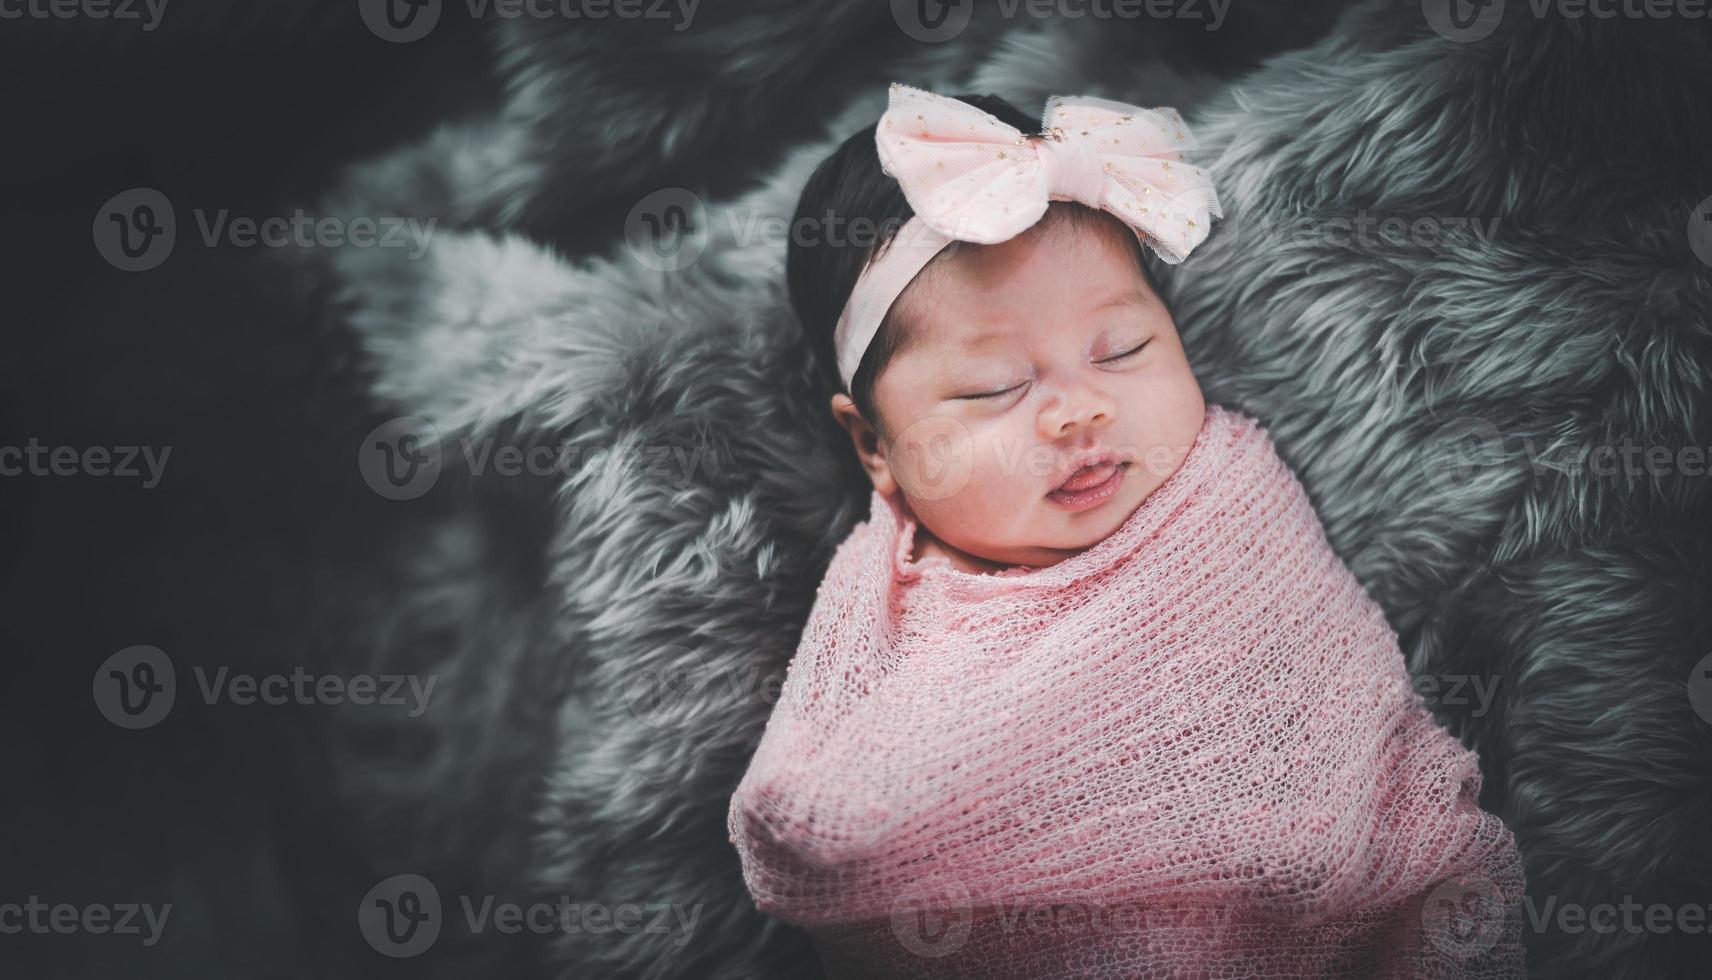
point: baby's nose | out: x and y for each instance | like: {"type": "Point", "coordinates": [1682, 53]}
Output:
{"type": "Point", "coordinates": [1082, 408]}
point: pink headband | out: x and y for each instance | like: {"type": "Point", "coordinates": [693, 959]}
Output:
{"type": "Point", "coordinates": [971, 178]}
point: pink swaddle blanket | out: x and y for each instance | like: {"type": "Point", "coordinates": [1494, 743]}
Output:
{"type": "Point", "coordinates": [1190, 751]}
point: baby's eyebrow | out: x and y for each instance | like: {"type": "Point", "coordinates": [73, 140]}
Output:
{"type": "Point", "coordinates": [1129, 297]}
{"type": "Point", "coordinates": [981, 339]}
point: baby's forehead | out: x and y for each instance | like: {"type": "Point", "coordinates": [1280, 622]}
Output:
{"type": "Point", "coordinates": [973, 298]}
{"type": "Point", "coordinates": [1066, 247]}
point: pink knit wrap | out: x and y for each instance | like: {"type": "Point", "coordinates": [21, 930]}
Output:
{"type": "Point", "coordinates": [1190, 751]}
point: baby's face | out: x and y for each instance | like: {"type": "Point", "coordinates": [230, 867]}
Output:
{"type": "Point", "coordinates": [1026, 360]}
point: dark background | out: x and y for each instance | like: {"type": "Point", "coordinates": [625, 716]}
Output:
{"type": "Point", "coordinates": [251, 107]}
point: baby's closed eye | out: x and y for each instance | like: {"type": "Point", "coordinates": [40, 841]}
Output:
{"type": "Point", "coordinates": [1124, 354]}
{"type": "Point", "coordinates": [996, 391]}
{"type": "Point", "coordinates": [979, 395]}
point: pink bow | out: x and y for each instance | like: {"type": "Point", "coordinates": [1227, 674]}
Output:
{"type": "Point", "coordinates": [973, 178]}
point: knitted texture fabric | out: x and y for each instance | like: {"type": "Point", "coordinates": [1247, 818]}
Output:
{"type": "Point", "coordinates": [1190, 750]}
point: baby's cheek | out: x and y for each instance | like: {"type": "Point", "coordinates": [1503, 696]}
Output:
{"type": "Point", "coordinates": [1004, 480]}
{"type": "Point", "coordinates": [933, 459]}
{"type": "Point", "coordinates": [971, 484]}
{"type": "Point", "coordinates": [977, 521]}
{"type": "Point", "coordinates": [984, 511]}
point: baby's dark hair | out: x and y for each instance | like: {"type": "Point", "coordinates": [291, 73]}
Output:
{"type": "Point", "coordinates": [849, 209]}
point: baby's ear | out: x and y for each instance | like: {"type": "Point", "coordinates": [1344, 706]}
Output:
{"type": "Point", "coordinates": [869, 444]}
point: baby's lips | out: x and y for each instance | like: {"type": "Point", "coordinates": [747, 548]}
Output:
{"type": "Point", "coordinates": [1086, 469]}
{"type": "Point", "coordinates": [1091, 476]}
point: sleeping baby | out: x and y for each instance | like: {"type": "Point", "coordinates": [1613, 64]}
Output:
{"type": "Point", "coordinates": [1088, 694]}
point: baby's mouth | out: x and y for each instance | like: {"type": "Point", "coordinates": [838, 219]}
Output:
{"type": "Point", "coordinates": [1091, 470]}
{"type": "Point", "coordinates": [1096, 480]}
{"type": "Point", "coordinates": [1091, 484]}
{"type": "Point", "coordinates": [1088, 476]}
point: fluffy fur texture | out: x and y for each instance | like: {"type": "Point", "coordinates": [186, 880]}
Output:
{"type": "Point", "coordinates": [1439, 401]}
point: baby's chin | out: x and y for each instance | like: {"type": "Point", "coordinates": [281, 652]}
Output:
{"type": "Point", "coordinates": [1085, 530]}
{"type": "Point", "coordinates": [1060, 535]}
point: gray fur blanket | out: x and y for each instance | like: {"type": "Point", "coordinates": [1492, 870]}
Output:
{"type": "Point", "coordinates": [1456, 282]}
